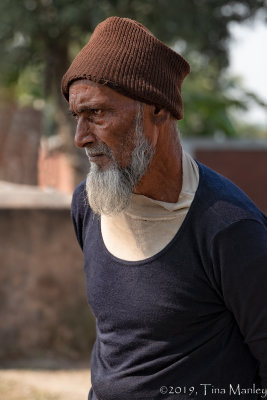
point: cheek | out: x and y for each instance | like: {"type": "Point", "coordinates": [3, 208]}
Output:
{"type": "Point", "coordinates": [121, 145]}
{"type": "Point", "coordinates": [118, 136]}
{"type": "Point", "coordinates": [151, 132]}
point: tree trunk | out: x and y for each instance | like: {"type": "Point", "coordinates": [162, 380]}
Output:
{"type": "Point", "coordinates": [57, 64]}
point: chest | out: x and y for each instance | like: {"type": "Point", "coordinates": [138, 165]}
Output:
{"type": "Point", "coordinates": [169, 292]}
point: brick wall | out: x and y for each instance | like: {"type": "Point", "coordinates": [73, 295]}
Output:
{"type": "Point", "coordinates": [43, 305]}
{"type": "Point", "coordinates": [55, 171]}
{"type": "Point", "coordinates": [20, 133]}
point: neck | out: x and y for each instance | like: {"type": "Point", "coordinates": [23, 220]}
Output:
{"type": "Point", "coordinates": [163, 179]}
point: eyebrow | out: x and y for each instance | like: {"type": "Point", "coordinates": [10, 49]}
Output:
{"type": "Point", "coordinates": [87, 107]}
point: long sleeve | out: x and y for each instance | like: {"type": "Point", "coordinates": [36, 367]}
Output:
{"type": "Point", "coordinates": [240, 261]}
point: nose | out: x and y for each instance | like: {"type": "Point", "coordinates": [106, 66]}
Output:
{"type": "Point", "coordinates": [83, 134]}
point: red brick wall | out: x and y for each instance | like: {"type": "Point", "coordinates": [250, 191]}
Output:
{"type": "Point", "coordinates": [20, 134]}
{"type": "Point", "coordinates": [55, 171]}
{"type": "Point", "coordinates": [246, 168]}
{"type": "Point", "coordinates": [42, 286]}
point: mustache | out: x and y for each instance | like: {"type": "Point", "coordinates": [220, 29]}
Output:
{"type": "Point", "coordinates": [99, 148]}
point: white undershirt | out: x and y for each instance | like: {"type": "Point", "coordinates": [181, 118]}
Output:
{"type": "Point", "coordinates": [148, 225]}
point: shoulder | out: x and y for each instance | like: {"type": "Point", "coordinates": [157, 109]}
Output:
{"type": "Point", "coordinates": [223, 203]}
{"type": "Point", "coordinates": [79, 205]}
{"type": "Point", "coordinates": [231, 231]}
{"type": "Point", "coordinates": [221, 210]}
{"type": "Point", "coordinates": [80, 211]}
{"type": "Point", "coordinates": [79, 196]}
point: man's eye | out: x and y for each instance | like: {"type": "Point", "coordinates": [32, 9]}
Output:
{"type": "Point", "coordinates": [74, 115]}
{"type": "Point", "coordinates": [96, 111]}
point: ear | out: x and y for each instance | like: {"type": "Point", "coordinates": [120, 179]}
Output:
{"type": "Point", "coordinates": [159, 115]}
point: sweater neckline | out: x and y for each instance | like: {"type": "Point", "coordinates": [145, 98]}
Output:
{"type": "Point", "coordinates": [166, 248]}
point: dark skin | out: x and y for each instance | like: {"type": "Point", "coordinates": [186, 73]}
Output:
{"type": "Point", "coordinates": [104, 115]}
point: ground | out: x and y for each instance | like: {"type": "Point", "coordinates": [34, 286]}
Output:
{"type": "Point", "coordinates": [44, 380]}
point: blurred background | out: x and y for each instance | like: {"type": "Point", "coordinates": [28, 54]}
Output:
{"type": "Point", "coordinates": [46, 328]}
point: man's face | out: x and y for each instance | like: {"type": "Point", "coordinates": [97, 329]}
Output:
{"type": "Point", "coordinates": [110, 128]}
{"type": "Point", "coordinates": [103, 117]}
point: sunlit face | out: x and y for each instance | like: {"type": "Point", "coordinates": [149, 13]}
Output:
{"type": "Point", "coordinates": [111, 129]}
{"type": "Point", "coordinates": [104, 117]}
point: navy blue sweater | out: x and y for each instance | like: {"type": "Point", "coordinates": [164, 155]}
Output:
{"type": "Point", "coordinates": [191, 321]}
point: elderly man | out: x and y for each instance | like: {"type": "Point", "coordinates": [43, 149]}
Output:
{"type": "Point", "coordinates": [175, 254]}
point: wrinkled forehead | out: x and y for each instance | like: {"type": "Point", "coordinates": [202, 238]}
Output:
{"type": "Point", "coordinates": [85, 90]}
{"type": "Point", "coordinates": [85, 82]}
{"type": "Point", "coordinates": [86, 86]}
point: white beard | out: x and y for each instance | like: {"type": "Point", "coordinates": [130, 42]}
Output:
{"type": "Point", "coordinates": [109, 191]}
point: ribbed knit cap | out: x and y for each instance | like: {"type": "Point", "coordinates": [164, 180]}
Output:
{"type": "Point", "coordinates": [128, 58]}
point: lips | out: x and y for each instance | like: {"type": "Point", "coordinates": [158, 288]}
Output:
{"type": "Point", "coordinates": [95, 155]}
{"type": "Point", "coordinates": [98, 155]}
{"type": "Point", "coordinates": [98, 158]}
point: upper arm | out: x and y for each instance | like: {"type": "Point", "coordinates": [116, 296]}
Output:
{"type": "Point", "coordinates": [77, 212]}
{"type": "Point", "coordinates": [240, 258]}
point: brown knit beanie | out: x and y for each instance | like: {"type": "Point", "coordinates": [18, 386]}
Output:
{"type": "Point", "coordinates": [128, 58]}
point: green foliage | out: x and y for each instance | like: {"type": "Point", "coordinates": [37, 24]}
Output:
{"type": "Point", "coordinates": [210, 100]}
{"type": "Point", "coordinates": [39, 33]}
